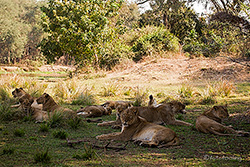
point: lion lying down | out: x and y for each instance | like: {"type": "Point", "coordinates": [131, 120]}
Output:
{"type": "Point", "coordinates": [114, 104]}
{"type": "Point", "coordinates": [35, 113]}
{"type": "Point", "coordinates": [94, 111]}
{"type": "Point", "coordinates": [50, 105]}
{"type": "Point", "coordinates": [24, 96]}
{"type": "Point", "coordinates": [210, 122]}
{"type": "Point", "coordinates": [155, 113]}
{"type": "Point", "coordinates": [138, 129]}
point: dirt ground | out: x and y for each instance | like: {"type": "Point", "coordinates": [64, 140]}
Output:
{"type": "Point", "coordinates": [169, 70]}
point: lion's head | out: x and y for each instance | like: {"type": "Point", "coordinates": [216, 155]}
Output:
{"type": "Point", "coordinates": [18, 92]}
{"type": "Point", "coordinates": [129, 116]}
{"type": "Point", "coordinates": [217, 113]}
{"type": "Point", "coordinates": [178, 107]}
{"type": "Point", "coordinates": [44, 98]}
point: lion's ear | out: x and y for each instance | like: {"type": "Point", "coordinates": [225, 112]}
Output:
{"type": "Point", "coordinates": [215, 107]}
{"type": "Point", "coordinates": [21, 88]}
{"type": "Point", "coordinates": [46, 95]}
{"type": "Point", "coordinates": [136, 111]}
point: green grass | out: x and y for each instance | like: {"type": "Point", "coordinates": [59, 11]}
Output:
{"type": "Point", "coordinates": [25, 143]}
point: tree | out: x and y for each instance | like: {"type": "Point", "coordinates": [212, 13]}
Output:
{"type": "Point", "coordinates": [78, 29]}
{"type": "Point", "coordinates": [20, 32]}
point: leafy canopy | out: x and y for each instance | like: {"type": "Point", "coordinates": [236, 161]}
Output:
{"type": "Point", "coordinates": [78, 29]}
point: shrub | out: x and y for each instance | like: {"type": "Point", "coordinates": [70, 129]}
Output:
{"type": "Point", "coordinates": [88, 154]}
{"type": "Point", "coordinates": [55, 120]}
{"type": "Point", "coordinates": [60, 134]}
{"type": "Point", "coordinates": [110, 89]}
{"type": "Point", "coordinates": [19, 132]}
{"type": "Point", "coordinates": [85, 98]}
{"type": "Point", "coordinates": [6, 113]}
{"type": "Point", "coordinates": [74, 122]}
{"type": "Point", "coordinates": [154, 40]}
{"type": "Point", "coordinates": [140, 97]}
{"type": "Point", "coordinates": [42, 156]}
{"type": "Point", "coordinates": [44, 128]}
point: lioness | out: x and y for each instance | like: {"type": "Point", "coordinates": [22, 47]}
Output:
{"type": "Point", "coordinates": [35, 113]}
{"type": "Point", "coordinates": [163, 113]}
{"type": "Point", "coordinates": [210, 122]}
{"type": "Point", "coordinates": [117, 123]}
{"type": "Point", "coordinates": [138, 129]}
{"type": "Point", "coordinates": [22, 96]}
{"type": "Point", "coordinates": [114, 104]}
{"type": "Point", "coordinates": [94, 111]}
{"type": "Point", "coordinates": [50, 105]}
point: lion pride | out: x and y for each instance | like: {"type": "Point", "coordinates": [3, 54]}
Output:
{"type": "Point", "coordinates": [210, 122]}
{"type": "Point", "coordinates": [138, 129]}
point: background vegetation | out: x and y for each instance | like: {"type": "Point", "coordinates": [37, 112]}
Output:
{"type": "Point", "coordinates": [101, 34]}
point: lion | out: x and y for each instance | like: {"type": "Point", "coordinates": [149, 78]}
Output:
{"type": "Point", "coordinates": [35, 113]}
{"type": "Point", "coordinates": [117, 123]}
{"type": "Point", "coordinates": [137, 129]}
{"type": "Point", "coordinates": [114, 104]}
{"type": "Point", "coordinates": [22, 95]}
{"type": "Point", "coordinates": [164, 113]}
{"type": "Point", "coordinates": [94, 111]}
{"type": "Point", "coordinates": [210, 122]}
{"type": "Point", "coordinates": [50, 105]}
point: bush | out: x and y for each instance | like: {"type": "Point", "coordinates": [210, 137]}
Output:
{"type": "Point", "coordinates": [85, 98]}
{"type": "Point", "coordinates": [55, 120]}
{"type": "Point", "coordinates": [19, 132]}
{"type": "Point", "coordinates": [6, 113]}
{"type": "Point", "coordinates": [74, 122]}
{"type": "Point", "coordinates": [60, 134]}
{"type": "Point", "coordinates": [88, 154]}
{"type": "Point", "coordinates": [154, 40]}
{"type": "Point", "coordinates": [140, 97]}
{"type": "Point", "coordinates": [43, 157]}
{"type": "Point", "coordinates": [44, 128]}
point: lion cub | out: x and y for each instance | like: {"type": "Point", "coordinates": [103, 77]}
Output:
{"type": "Point", "coordinates": [138, 129]}
{"type": "Point", "coordinates": [210, 122]}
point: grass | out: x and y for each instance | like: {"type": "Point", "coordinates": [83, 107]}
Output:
{"type": "Point", "coordinates": [25, 143]}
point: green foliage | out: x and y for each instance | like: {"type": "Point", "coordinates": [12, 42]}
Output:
{"type": "Point", "coordinates": [42, 156]}
{"type": "Point", "coordinates": [88, 154]}
{"type": "Point", "coordinates": [74, 122]}
{"type": "Point", "coordinates": [77, 29]}
{"type": "Point", "coordinates": [85, 98]}
{"type": "Point", "coordinates": [20, 30]}
{"type": "Point", "coordinates": [154, 40]}
{"type": "Point", "coordinates": [6, 113]}
{"type": "Point", "coordinates": [61, 134]}
{"type": "Point", "coordinates": [19, 132]}
{"type": "Point", "coordinates": [55, 119]}
{"type": "Point", "coordinates": [44, 128]}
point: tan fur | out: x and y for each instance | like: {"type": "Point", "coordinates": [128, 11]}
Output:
{"type": "Point", "coordinates": [114, 104]}
{"type": "Point", "coordinates": [163, 113]}
{"type": "Point", "coordinates": [36, 114]}
{"type": "Point", "coordinates": [94, 111]}
{"type": "Point", "coordinates": [117, 123]}
{"type": "Point", "coordinates": [22, 96]}
{"type": "Point", "coordinates": [210, 122]}
{"type": "Point", "coordinates": [50, 105]}
{"type": "Point", "coordinates": [138, 129]}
